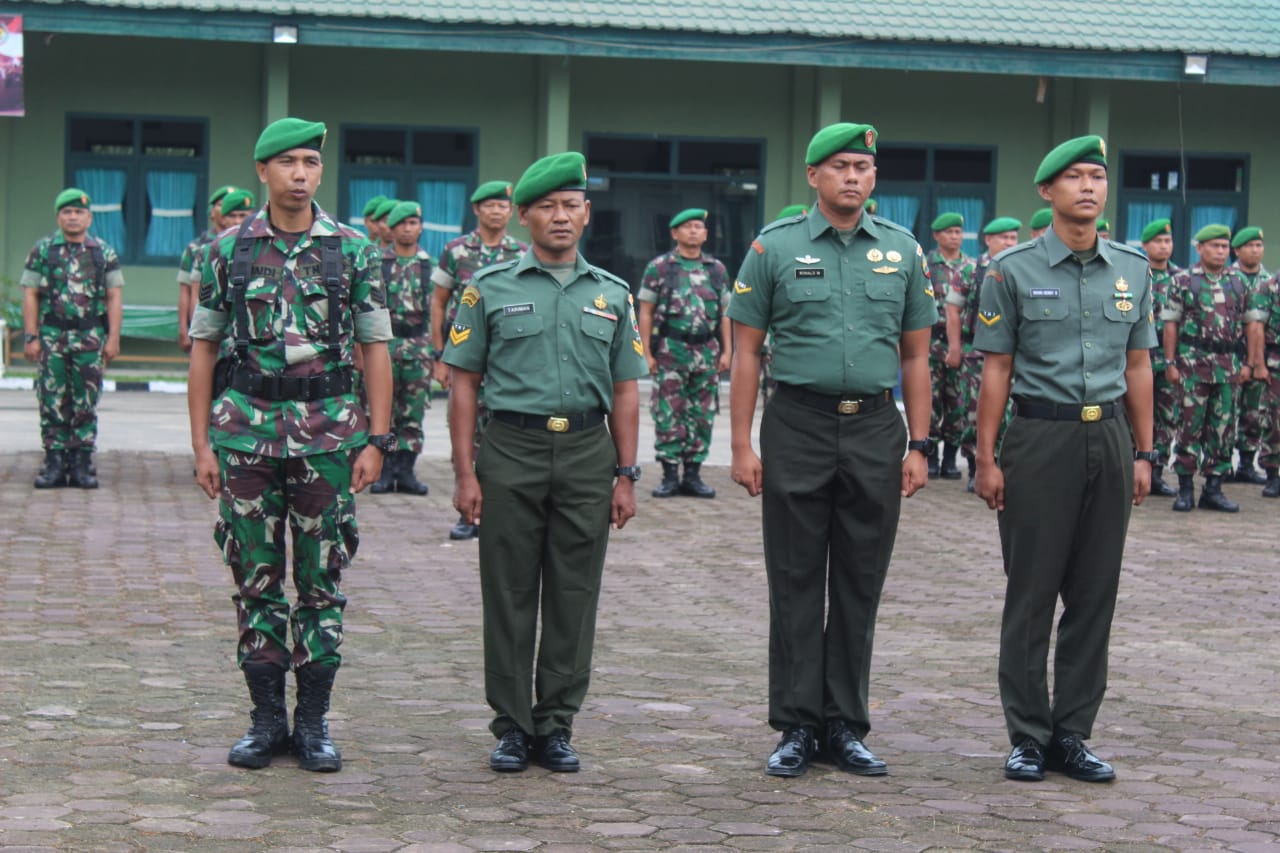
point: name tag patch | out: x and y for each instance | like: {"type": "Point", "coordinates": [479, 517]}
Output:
{"type": "Point", "coordinates": [811, 272]}
{"type": "Point", "coordinates": [522, 308]}
{"type": "Point", "coordinates": [1045, 292]}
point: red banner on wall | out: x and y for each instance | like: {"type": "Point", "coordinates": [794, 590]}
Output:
{"type": "Point", "coordinates": [11, 71]}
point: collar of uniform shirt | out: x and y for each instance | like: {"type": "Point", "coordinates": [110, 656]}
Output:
{"type": "Point", "coordinates": [1059, 251]}
{"type": "Point", "coordinates": [529, 261]}
{"type": "Point", "coordinates": [817, 223]}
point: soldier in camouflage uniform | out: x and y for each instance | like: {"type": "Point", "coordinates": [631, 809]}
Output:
{"type": "Point", "coordinates": [1263, 331]}
{"type": "Point", "coordinates": [189, 268]}
{"type": "Point", "coordinates": [946, 264]}
{"type": "Point", "coordinates": [461, 259]}
{"type": "Point", "coordinates": [406, 274]}
{"type": "Point", "coordinates": [286, 443]}
{"type": "Point", "coordinates": [1250, 409]}
{"type": "Point", "coordinates": [1203, 325]}
{"type": "Point", "coordinates": [371, 229]}
{"type": "Point", "coordinates": [382, 239]}
{"type": "Point", "coordinates": [71, 313]}
{"type": "Point", "coordinates": [683, 297]}
{"type": "Point", "coordinates": [1157, 242]}
{"type": "Point", "coordinates": [962, 321]}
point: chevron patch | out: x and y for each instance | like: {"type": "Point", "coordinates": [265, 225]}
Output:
{"type": "Point", "coordinates": [989, 318]}
{"type": "Point", "coordinates": [740, 287]}
{"type": "Point", "coordinates": [459, 334]}
{"type": "Point", "coordinates": [637, 346]}
{"type": "Point", "coordinates": [470, 295]}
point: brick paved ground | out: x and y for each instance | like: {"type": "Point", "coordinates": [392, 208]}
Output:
{"type": "Point", "coordinates": [119, 698]}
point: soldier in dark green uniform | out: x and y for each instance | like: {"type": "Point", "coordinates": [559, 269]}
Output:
{"type": "Point", "coordinates": [1251, 413]}
{"type": "Point", "coordinates": [555, 341]}
{"type": "Point", "coordinates": [1040, 221]}
{"type": "Point", "coordinates": [286, 443]}
{"type": "Point", "coordinates": [189, 271]}
{"type": "Point", "coordinates": [946, 263]}
{"type": "Point", "coordinates": [1067, 322]}
{"type": "Point", "coordinates": [71, 313]}
{"type": "Point", "coordinates": [1263, 331]}
{"type": "Point", "coordinates": [1157, 242]}
{"type": "Point", "coordinates": [848, 299]}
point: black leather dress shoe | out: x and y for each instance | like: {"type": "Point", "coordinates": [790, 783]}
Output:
{"type": "Point", "coordinates": [554, 753]}
{"type": "Point", "coordinates": [1026, 762]}
{"type": "Point", "coordinates": [1068, 754]}
{"type": "Point", "coordinates": [792, 755]}
{"type": "Point", "coordinates": [511, 755]}
{"type": "Point", "coordinates": [849, 753]}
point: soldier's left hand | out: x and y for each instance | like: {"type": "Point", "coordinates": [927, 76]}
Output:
{"type": "Point", "coordinates": [1141, 481]}
{"type": "Point", "coordinates": [111, 349]}
{"type": "Point", "coordinates": [207, 477]}
{"type": "Point", "coordinates": [725, 360]}
{"type": "Point", "coordinates": [624, 502]}
{"type": "Point", "coordinates": [367, 469]}
{"type": "Point", "coordinates": [915, 473]}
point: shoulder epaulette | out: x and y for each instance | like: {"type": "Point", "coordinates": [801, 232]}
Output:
{"type": "Point", "coordinates": [786, 220]}
{"type": "Point", "coordinates": [605, 274]}
{"type": "Point", "coordinates": [1127, 249]}
{"type": "Point", "coordinates": [1013, 250]}
{"type": "Point", "coordinates": [891, 225]}
{"type": "Point", "coordinates": [490, 270]}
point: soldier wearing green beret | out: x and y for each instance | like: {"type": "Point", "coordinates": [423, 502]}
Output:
{"type": "Point", "coordinates": [847, 297]}
{"type": "Point", "coordinates": [1040, 221]}
{"type": "Point", "coordinates": [555, 340]}
{"type": "Point", "coordinates": [233, 209]}
{"type": "Point", "coordinates": [1203, 327]}
{"type": "Point", "coordinates": [460, 259]}
{"type": "Point", "coordinates": [380, 214]}
{"type": "Point", "coordinates": [1066, 323]}
{"type": "Point", "coordinates": [683, 296]}
{"type": "Point", "coordinates": [1262, 328]}
{"type": "Point", "coordinates": [71, 313]}
{"type": "Point", "coordinates": [947, 264]}
{"type": "Point", "coordinates": [285, 442]}
{"type": "Point", "coordinates": [1157, 242]}
{"type": "Point", "coordinates": [1251, 411]}
{"type": "Point", "coordinates": [792, 210]}
{"type": "Point", "coordinates": [370, 208]}
{"type": "Point", "coordinates": [1104, 229]}
{"type": "Point", "coordinates": [189, 270]}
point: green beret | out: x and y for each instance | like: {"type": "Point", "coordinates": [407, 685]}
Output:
{"type": "Point", "coordinates": [1104, 224]}
{"type": "Point", "coordinates": [567, 171]}
{"type": "Point", "coordinates": [871, 205]}
{"type": "Point", "coordinates": [793, 210]}
{"type": "Point", "coordinates": [381, 211]}
{"type": "Point", "coordinates": [1042, 218]}
{"type": "Point", "coordinates": [685, 215]}
{"type": "Point", "coordinates": [1245, 235]}
{"type": "Point", "coordinates": [1002, 224]}
{"type": "Point", "coordinates": [1212, 232]}
{"type": "Point", "coordinates": [71, 197]}
{"type": "Point", "coordinates": [858, 138]}
{"type": "Point", "coordinates": [237, 200]}
{"type": "Point", "coordinates": [402, 211]}
{"type": "Point", "coordinates": [492, 189]}
{"type": "Point", "coordinates": [947, 220]}
{"type": "Point", "coordinates": [220, 193]}
{"type": "Point", "coordinates": [287, 134]}
{"type": "Point", "coordinates": [1155, 228]}
{"type": "Point", "coordinates": [1082, 149]}
{"type": "Point", "coordinates": [372, 204]}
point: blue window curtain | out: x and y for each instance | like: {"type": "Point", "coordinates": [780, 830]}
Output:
{"type": "Point", "coordinates": [106, 201]}
{"type": "Point", "coordinates": [1138, 214]}
{"type": "Point", "coordinates": [173, 222]}
{"type": "Point", "coordinates": [1209, 214]}
{"type": "Point", "coordinates": [444, 204]}
{"type": "Point", "coordinates": [359, 191]}
{"type": "Point", "coordinates": [972, 209]}
{"type": "Point", "coordinates": [899, 209]}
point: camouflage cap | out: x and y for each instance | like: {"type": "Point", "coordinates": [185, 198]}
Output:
{"type": "Point", "coordinates": [1002, 224]}
{"type": "Point", "coordinates": [1155, 228]}
{"type": "Point", "coordinates": [1042, 218]}
{"type": "Point", "coordinates": [567, 171]}
{"type": "Point", "coordinates": [372, 204]}
{"type": "Point", "coordinates": [793, 210]}
{"type": "Point", "coordinates": [947, 220]}
{"type": "Point", "coordinates": [237, 200]}
{"type": "Point", "coordinates": [685, 215]}
{"type": "Point", "coordinates": [1082, 149]}
{"type": "Point", "coordinates": [1212, 232]}
{"type": "Point", "coordinates": [844, 136]}
{"type": "Point", "coordinates": [381, 211]}
{"type": "Point", "coordinates": [492, 189]}
{"type": "Point", "coordinates": [402, 211]}
{"type": "Point", "coordinates": [1246, 235]}
{"type": "Point", "coordinates": [287, 134]}
{"type": "Point", "coordinates": [220, 193]}
{"type": "Point", "coordinates": [71, 197]}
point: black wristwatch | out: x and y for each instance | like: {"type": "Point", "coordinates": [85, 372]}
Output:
{"type": "Point", "coordinates": [924, 445]}
{"type": "Point", "coordinates": [1146, 456]}
{"type": "Point", "coordinates": [631, 471]}
{"type": "Point", "coordinates": [28, 338]}
{"type": "Point", "coordinates": [386, 442]}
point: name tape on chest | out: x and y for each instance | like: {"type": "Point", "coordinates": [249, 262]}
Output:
{"type": "Point", "coordinates": [810, 272]}
{"type": "Point", "coordinates": [513, 310]}
{"type": "Point", "coordinates": [1045, 292]}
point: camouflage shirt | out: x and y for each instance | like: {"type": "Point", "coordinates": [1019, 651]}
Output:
{"type": "Point", "coordinates": [689, 301]}
{"type": "Point", "coordinates": [288, 312]}
{"type": "Point", "coordinates": [966, 293]}
{"type": "Point", "coordinates": [1209, 312]}
{"type": "Point", "coordinates": [1160, 281]}
{"type": "Point", "coordinates": [944, 274]}
{"type": "Point", "coordinates": [463, 257]}
{"type": "Point", "coordinates": [70, 285]}
{"type": "Point", "coordinates": [408, 285]}
{"type": "Point", "coordinates": [1264, 308]}
{"type": "Point", "coordinates": [189, 264]}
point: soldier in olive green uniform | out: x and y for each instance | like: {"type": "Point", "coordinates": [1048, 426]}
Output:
{"type": "Point", "coordinates": [555, 341]}
{"type": "Point", "coordinates": [1263, 331]}
{"type": "Point", "coordinates": [848, 299]}
{"type": "Point", "coordinates": [71, 313]}
{"type": "Point", "coordinates": [189, 270]}
{"type": "Point", "coordinates": [1157, 242]}
{"type": "Point", "coordinates": [286, 443]}
{"type": "Point", "coordinates": [946, 264]}
{"type": "Point", "coordinates": [1251, 413]}
{"type": "Point", "coordinates": [1066, 320]}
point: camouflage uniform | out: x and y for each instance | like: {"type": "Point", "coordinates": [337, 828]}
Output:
{"type": "Point", "coordinates": [189, 265]}
{"type": "Point", "coordinates": [408, 285]}
{"type": "Point", "coordinates": [1250, 407]}
{"type": "Point", "coordinates": [1264, 308]}
{"type": "Point", "coordinates": [73, 329]}
{"type": "Point", "coordinates": [289, 460]}
{"type": "Point", "coordinates": [1209, 313]}
{"type": "Point", "coordinates": [949, 408]}
{"type": "Point", "coordinates": [1166, 394]}
{"type": "Point", "coordinates": [767, 383]}
{"type": "Point", "coordinates": [689, 298]}
{"type": "Point", "coordinates": [965, 293]}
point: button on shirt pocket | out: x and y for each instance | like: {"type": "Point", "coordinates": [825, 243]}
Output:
{"type": "Point", "coordinates": [599, 332]}
{"type": "Point", "coordinates": [522, 340]}
{"type": "Point", "coordinates": [808, 291]}
{"type": "Point", "coordinates": [887, 295]}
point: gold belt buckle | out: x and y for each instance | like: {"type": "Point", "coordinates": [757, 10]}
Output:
{"type": "Point", "coordinates": [558, 424]}
{"type": "Point", "coordinates": [849, 407]}
{"type": "Point", "coordinates": [1089, 414]}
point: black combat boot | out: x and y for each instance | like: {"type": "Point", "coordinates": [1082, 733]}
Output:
{"type": "Point", "coordinates": [311, 742]}
{"type": "Point", "coordinates": [462, 530]}
{"type": "Point", "coordinates": [973, 471]}
{"type": "Point", "coordinates": [269, 734]}
{"type": "Point", "coordinates": [1272, 488]}
{"type": "Point", "coordinates": [1159, 487]}
{"type": "Point", "coordinates": [933, 463]}
{"type": "Point", "coordinates": [949, 471]}
{"type": "Point", "coordinates": [1245, 472]}
{"type": "Point", "coordinates": [692, 484]}
{"type": "Point", "coordinates": [670, 481]}
{"type": "Point", "coordinates": [386, 481]}
{"type": "Point", "coordinates": [1213, 498]}
{"type": "Point", "coordinates": [1186, 494]}
{"type": "Point", "coordinates": [405, 480]}
{"type": "Point", "coordinates": [78, 470]}
{"type": "Point", "coordinates": [53, 473]}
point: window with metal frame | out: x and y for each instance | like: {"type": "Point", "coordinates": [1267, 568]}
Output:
{"type": "Point", "coordinates": [915, 183]}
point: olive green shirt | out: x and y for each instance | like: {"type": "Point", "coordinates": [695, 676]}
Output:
{"type": "Point", "coordinates": [1068, 326]}
{"type": "Point", "coordinates": [837, 312]}
{"type": "Point", "coordinates": [546, 348]}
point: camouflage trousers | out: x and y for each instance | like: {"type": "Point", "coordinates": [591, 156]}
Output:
{"type": "Point", "coordinates": [1269, 449]}
{"type": "Point", "coordinates": [1206, 428]}
{"type": "Point", "coordinates": [767, 383]}
{"type": "Point", "coordinates": [683, 403]}
{"type": "Point", "coordinates": [1253, 416]}
{"type": "Point", "coordinates": [970, 371]}
{"type": "Point", "coordinates": [67, 391]}
{"type": "Point", "coordinates": [311, 494]}
{"type": "Point", "coordinates": [949, 411]}
{"type": "Point", "coordinates": [411, 387]}
{"type": "Point", "coordinates": [1166, 414]}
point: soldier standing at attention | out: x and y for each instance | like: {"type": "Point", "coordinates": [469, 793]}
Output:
{"type": "Point", "coordinates": [1263, 331]}
{"type": "Point", "coordinates": [848, 299]}
{"type": "Point", "coordinates": [406, 276]}
{"type": "Point", "coordinates": [371, 229]}
{"type": "Point", "coordinates": [383, 238]}
{"type": "Point", "coordinates": [555, 340]}
{"type": "Point", "coordinates": [683, 297]}
{"type": "Point", "coordinates": [1040, 221]}
{"type": "Point", "coordinates": [946, 264]}
{"type": "Point", "coordinates": [1104, 229]}
{"type": "Point", "coordinates": [1252, 414]}
{"type": "Point", "coordinates": [290, 443]}
{"type": "Point", "coordinates": [71, 313]}
{"type": "Point", "coordinates": [189, 270]}
{"type": "Point", "coordinates": [1067, 323]}
{"type": "Point", "coordinates": [461, 259]}
{"type": "Point", "coordinates": [1157, 242]}
{"type": "Point", "coordinates": [1203, 325]}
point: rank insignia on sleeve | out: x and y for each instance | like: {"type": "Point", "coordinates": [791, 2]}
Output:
{"type": "Point", "coordinates": [206, 291]}
{"type": "Point", "coordinates": [600, 302]}
{"type": "Point", "coordinates": [637, 346]}
{"type": "Point", "coordinates": [989, 318]}
{"type": "Point", "coordinates": [459, 334]}
{"type": "Point", "coordinates": [470, 295]}
{"type": "Point", "coordinates": [741, 287]}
